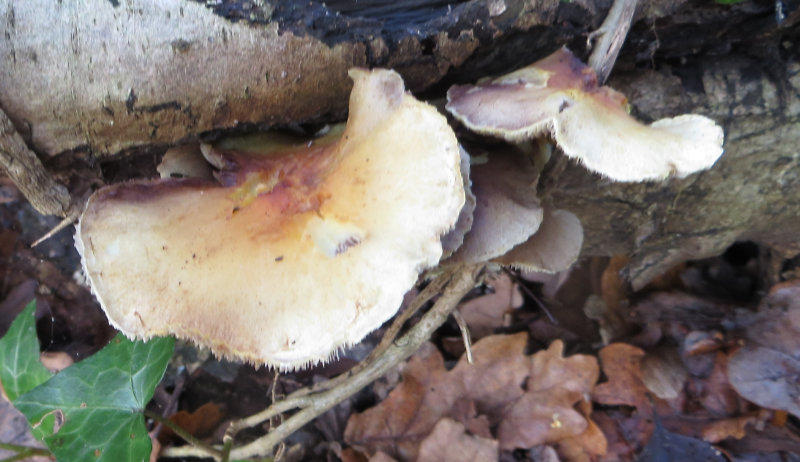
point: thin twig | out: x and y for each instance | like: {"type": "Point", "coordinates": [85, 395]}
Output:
{"type": "Point", "coordinates": [533, 296]}
{"type": "Point", "coordinates": [465, 336]}
{"type": "Point", "coordinates": [612, 35]}
{"type": "Point", "coordinates": [188, 437]}
{"type": "Point", "coordinates": [462, 282]}
{"type": "Point", "coordinates": [72, 215]}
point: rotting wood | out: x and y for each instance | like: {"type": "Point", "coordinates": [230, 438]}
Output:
{"type": "Point", "coordinates": [29, 175]}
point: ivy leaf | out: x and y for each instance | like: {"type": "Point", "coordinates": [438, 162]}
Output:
{"type": "Point", "coordinates": [20, 368]}
{"type": "Point", "coordinates": [90, 411]}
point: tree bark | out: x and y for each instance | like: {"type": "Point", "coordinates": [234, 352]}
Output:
{"type": "Point", "coordinates": [115, 77]}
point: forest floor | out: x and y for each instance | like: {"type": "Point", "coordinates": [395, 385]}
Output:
{"type": "Point", "coordinates": [703, 364]}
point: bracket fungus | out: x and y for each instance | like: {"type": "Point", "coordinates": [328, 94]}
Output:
{"type": "Point", "coordinates": [288, 256]}
{"type": "Point", "coordinates": [560, 96]}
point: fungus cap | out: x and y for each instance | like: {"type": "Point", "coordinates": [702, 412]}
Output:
{"type": "Point", "coordinates": [287, 257]}
{"type": "Point", "coordinates": [507, 211]}
{"type": "Point", "coordinates": [555, 246]}
{"type": "Point", "coordinates": [560, 96]}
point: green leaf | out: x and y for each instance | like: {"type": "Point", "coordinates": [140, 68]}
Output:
{"type": "Point", "coordinates": [20, 368]}
{"type": "Point", "coordinates": [98, 400]}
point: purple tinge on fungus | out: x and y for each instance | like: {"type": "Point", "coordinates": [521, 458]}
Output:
{"type": "Point", "coordinates": [559, 96]}
{"type": "Point", "coordinates": [285, 258]}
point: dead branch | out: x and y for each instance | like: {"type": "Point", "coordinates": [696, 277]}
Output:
{"type": "Point", "coordinates": [27, 172]}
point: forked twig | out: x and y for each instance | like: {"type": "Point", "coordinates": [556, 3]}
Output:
{"type": "Point", "coordinates": [611, 35]}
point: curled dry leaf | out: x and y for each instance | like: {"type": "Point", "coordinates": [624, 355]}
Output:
{"type": "Point", "coordinates": [507, 211]}
{"type": "Point", "coordinates": [589, 446]}
{"type": "Point", "coordinates": [663, 372]}
{"type": "Point", "coordinates": [622, 365]}
{"type": "Point", "coordinates": [727, 428]}
{"type": "Point", "coordinates": [667, 446]}
{"type": "Point", "coordinates": [560, 96]}
{"type": "Point", "coordinates": [717, 395]}
{"type": "Point", "coordinates": [200, 423]}
{"type": "Point", "coordinates": [766, 370]}
{"type": "Point", "coordinates": [290, 256]}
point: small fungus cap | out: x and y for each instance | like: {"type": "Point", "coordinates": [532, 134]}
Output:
{"type": "Point", "coordinates": [287, 257]}
{"type": "Point", "coordinates": [559, 96]}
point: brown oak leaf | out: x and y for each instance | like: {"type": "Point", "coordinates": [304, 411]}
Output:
{"type": "Point", "coordinates": [546, 412]}
{"type": "Point", "coordinates": [449, 442]}
{"type": "Point", "coordinates": [528, 399]}
{"type": "Point", "coordinates": [400, 422]}
{"type": "Point", "coordinates": [621, 364]}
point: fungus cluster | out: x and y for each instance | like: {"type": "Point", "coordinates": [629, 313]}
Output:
{"type": "Point", "coordinates": [279, 251]}
{"type": "Point", "coordinates": [292, 252]}
{"type": "Point", "coordinates": [559, 96]}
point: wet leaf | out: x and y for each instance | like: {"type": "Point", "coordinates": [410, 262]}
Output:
{"type": "Point", "coordinates": [665, 446]}
{"type": "Point", "coordinates": [767, 377]}
{"type": "Point", "coordinates": [20, 368]}
{"type": "Point", "coordinates": [766, 370]}
{"type": "Point", "coordinates": [98, 401]}
{"type": "Point", "coordinates": [14, 429]}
